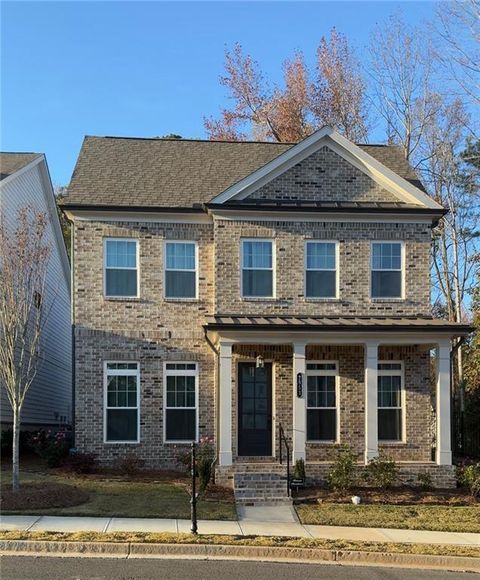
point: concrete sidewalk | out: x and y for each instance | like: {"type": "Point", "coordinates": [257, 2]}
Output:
{"type": "Point", "coordinates": [266, 521]}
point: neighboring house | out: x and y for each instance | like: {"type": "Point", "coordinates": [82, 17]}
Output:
{"type": "Point", "coordinates": [25, 181]}
{"type": "Point", "coordinates": [226, 289]}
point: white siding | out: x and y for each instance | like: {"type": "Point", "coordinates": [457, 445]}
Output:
{"type": "Point", "coordinates": [49, 399]}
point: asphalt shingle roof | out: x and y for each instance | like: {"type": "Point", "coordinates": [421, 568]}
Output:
{"type": "Point", "coordinates": [12, 162]}
{"type": "Point", "coordinates": [179, 173]}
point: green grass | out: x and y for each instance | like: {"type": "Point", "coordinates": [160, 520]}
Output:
{"type": "Point", "coordinates": [113, 497]}
{"type": "Point", "coordinates": [270, 541]}
{"type": "Point", "coordinates": [414, 517]}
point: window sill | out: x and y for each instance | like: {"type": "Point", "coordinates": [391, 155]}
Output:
{"type": "Point", "coordinates": [259, 299]}
{"type": "Point", "coordinates": [181, 300]}
{"type": "Point", "coordinates": [387, 299]}
{"type": "Point", "coordinates": [121, 442]}
{"type": "Point", "coordinates": [312, 299]}
{"type": "Point", "coordinates": [393, 443]}
{"type": "Point", "coordinates": [165, 442]}
{"type": "Point", "coordinates": [325, 443]}
{"type": "Point", "coordinates": [122, 298]}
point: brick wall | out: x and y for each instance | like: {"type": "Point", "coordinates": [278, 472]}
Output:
{"type": "Point", "coordinates": [355, 240]}
{"type": "Point", "coordinates": [324, 176]}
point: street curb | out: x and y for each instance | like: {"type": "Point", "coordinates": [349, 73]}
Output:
{"type": "Point", "coordinates": [221, 552]}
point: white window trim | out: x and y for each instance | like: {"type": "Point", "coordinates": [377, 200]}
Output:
{"type": "Point", "coordinates": [174, 298]}
{"type": "Point", "coordinates": [273, 269]}
{"type": "Point", "coordinates": [324, 373]}
{"type": "Point", "coordinates": [401, 373]}
{"type": "Point", "coordinates": [402, 271]}
{"type": "Point", "coordinates": [120, 372]}
{"type": "Point", "coordinates": [337, 270]}
{"type": "Point", "coordinates": [105, 267]}
{"type": "Point", "coordinates": [176, 372]}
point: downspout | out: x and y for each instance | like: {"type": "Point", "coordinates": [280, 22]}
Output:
{"type": "Point", "coordinates": [217, 383]}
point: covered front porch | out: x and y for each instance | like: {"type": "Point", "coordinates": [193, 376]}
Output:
{"type": "Point", "coordinates": [380, 386]}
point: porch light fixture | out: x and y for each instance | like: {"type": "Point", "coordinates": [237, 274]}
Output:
{"type": "Point", "coordinates": [259, 362]}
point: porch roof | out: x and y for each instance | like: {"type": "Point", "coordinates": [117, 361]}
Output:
{"type": "Point", "coordinates": [336, 323]}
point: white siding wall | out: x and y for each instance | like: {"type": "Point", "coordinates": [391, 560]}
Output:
{"type": "Point", "coordinates": [49, 400]}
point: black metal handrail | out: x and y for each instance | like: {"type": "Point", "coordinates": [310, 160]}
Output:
{"type": "Point", "coordinates": [283, 441]}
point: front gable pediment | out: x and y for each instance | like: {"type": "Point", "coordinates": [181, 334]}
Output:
{"type": "Point", "coordinates": [326, 167]}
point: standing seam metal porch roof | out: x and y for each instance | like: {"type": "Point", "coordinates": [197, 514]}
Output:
{"type": "Point", "coordinates": [334, 323]}
{"type": "Point", "coordinates": [134, 172]}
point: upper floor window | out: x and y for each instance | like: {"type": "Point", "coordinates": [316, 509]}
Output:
{"type": "Point", "coordinates": [257, 268]}
{"type": "Point", "coordinates": [390, 401]}
{"type": "Point", "coordinates": [386, 270]}
{"type": "Point", "coordinates": [320, 269]}
{"type": "Point", "coordinates": [122, 413]}
{"type": "Point", "coordinates": [180, 270]}
{"type": "Point", "coordinates": [121, 267]}
{"type": "Point", "coordinates": [322, 401]}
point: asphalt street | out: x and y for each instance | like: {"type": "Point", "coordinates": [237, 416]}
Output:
{"type": "Point", "coordinates": [49, 568]}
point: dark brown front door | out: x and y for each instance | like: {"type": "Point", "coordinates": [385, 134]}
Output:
{"type": "Point", "coordinates": [254, 409]}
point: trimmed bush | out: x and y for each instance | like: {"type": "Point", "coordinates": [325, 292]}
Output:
{"type": "Point", "coordinates": [80, 462]}
{"type": "Point", "coordinates": [342, 476]}
{"type": "Point", "coordinates": [129, 465]}
{"type": "Point", "coordinates": [382, 472]}
{"type": "Point", "coordinates": [469, 476]}
{"type": "Point", "coordinates": [51, 446]}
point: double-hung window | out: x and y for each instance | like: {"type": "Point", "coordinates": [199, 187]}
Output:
{"type": "Point", "coordinates": [322, 401]}
{"type": "Point", "coordinates": [386, 270]}
{"type": "Point", "coordinates": [320, 269]}
{"type": "Point", "coordinates": [122, 402]}
{"type": "Point", "coordinates": [181, 402]}
{"type": "Point", "coordinates": [180, 270]}
{"type": "Point", "coordinates": [257, 268]}
{"type": "Point", "coordinates": [390, 378]}
{"type": "Point", "coordinates": [121, 267]}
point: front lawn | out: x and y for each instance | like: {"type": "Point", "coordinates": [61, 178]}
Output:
{"type": "Point", "coordinates": [412, 517]}
{"type": "Point", "coordinates": [152, 496]}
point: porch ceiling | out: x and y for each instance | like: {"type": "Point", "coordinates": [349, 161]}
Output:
{"type": "Point", "coordinates": [335, 323]}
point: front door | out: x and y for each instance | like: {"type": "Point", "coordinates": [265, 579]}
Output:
{"type": "Point", "coordinates": [254, 409]}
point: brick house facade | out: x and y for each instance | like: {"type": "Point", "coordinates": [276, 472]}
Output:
{"type": "Point", "coordinates": [249, 270]}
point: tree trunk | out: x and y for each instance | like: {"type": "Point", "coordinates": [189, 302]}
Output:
{"type": "Point", "coordinates": [16, 450]}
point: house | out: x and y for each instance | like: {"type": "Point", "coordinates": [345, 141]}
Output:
{"type": "Point", "coordinates": [25, 181]}
{"type": "Point", "coordinates": [241, 290]}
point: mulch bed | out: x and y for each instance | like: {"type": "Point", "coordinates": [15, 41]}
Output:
{"type": "Point", "coordinates": [218, 493]}
{"type": "Point", "coordinates": [40, 496]}
{"type": "Point", "coordinates": [394, 496]}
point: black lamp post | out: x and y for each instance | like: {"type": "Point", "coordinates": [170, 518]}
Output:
{"type": "Point", "coordinates": [193, 499]}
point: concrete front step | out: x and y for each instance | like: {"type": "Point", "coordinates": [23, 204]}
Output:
{"type": "Point", "coordinates": [265, 487]}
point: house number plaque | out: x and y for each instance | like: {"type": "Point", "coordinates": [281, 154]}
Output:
{"type": "Point", "coordinates": [299, 385]}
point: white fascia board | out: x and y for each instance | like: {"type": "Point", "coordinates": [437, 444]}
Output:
{"type": "Point", "coordinates": [138, 216]}
{"type": "Point", "coordinates": [51, 202]}
{"type": "Point", "coordinates": [342, 146]}
{"type": "Point", "coordinates": [12, 176]}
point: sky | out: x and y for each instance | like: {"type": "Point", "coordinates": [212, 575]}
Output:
{"type": "Point", "coordinates": [146, 69]}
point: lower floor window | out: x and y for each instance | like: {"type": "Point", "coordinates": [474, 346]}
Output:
{"type": "Point", "coordinates": [122, 402]}
{"type": "Point", "coordinates": [321, 401]}
{"type": "Point", "coordinates": [390, 401]}
{"type": "Point", "coordinates": [181, 401]}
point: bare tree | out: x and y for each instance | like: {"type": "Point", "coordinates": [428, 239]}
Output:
{"type": "Point", "coordinates": [457, 28]}
{"type": "Point", "coordinates": [24, 256]}
{"type": "Point", "coordinates": [339, 96]}
{"type": "Point", "coordinates": [401, 69]}
{"type": "Point", "coordinates": [456, 237]}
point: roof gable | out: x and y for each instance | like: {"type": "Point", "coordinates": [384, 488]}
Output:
{"type": "Point", "coordinates": [327, 137]}
{"type": "Point", "coordinates": [10, 163]}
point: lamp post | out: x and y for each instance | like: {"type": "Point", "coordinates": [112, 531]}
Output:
{"type": "Point", "coordinates": [193, 499]}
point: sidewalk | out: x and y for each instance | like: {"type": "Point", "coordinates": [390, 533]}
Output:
{"type": "Point", "coordinates": [258, 521]}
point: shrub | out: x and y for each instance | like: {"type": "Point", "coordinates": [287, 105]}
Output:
{"type": "Point", "coordinates": [381, 472]}
{"type": "Point", "coordinates": [130, 464]}
{"type": "Point", "coordinates": [469, 476]}
{"type": "Point", "coordinates": [424, 481]}
{"type": "Point", "coordinates": [80, 462]}
{"type": "Point", "coordinates": [342, 476]}
{"type": "Point", "coordinates": [51, 446]}
{"type": "Point", "coordinates": [205, 454]}
{"type": "Point", "coordinates": [299, 469]}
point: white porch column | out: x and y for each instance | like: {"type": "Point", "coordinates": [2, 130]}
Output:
{"type": "Point", "coordinates": [225, 405]}
{"type": "Point", "coordinates": [299, 403]}
{"type": "Point", "coordinates": [444, 445]}
{"type": "Point", "coordinates": [371, 407]}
